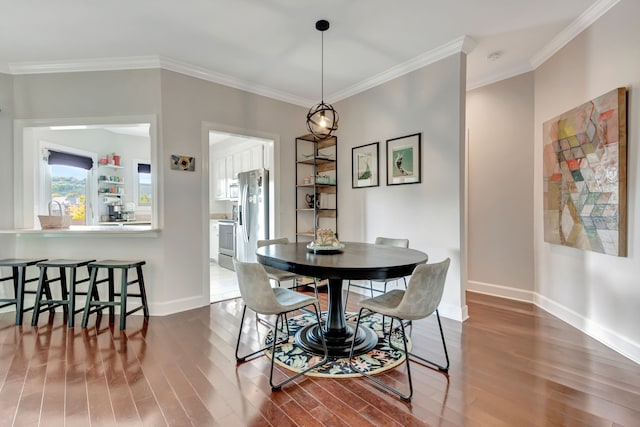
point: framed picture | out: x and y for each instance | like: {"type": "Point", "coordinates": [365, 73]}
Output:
{"type": "Point", "coordinates": [585, 180]}
{"type": "Point", "coordinates": [365, 169]}
{"type": "Point", "coordinates": [183, 163]}
{"type": "Point", "coordinates": [403, 160]}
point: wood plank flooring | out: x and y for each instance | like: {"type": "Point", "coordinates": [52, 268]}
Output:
{"type": "Point", "coordinates": [512, 364]}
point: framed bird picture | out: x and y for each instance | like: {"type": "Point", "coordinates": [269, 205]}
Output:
{"type": "Point", "coordinates": [403, 160]}
{"type": "Point", "coordinates": [365, 169]}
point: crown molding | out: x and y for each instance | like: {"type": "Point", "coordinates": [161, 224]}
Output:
{"type": "Point", "coordinates": [494, 78]}
{"type": "Point", "coordinates": [587, 18]}
{"type": "Point", "coordinates": [463, 44]}
{"type": "Point", "coordinates": [150, 62]}
{"type": "Point", "coordinates": [225, 80]}
{"type": "Point", "coordinates": [95, 64]}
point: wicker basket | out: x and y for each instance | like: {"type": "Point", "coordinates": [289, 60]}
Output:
{"type": "Point", "coordinates": [54, 221]}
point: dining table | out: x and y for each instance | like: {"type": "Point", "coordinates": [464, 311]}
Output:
{"type": "Point", "coordinates": [349, 261]}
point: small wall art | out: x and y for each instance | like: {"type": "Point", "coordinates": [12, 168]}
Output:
{"type": "Point", "coordinates": [183, 163]}
{"type": "Point", "coordinates": [403, 160]}
{"type": "Point", "coordinates": [365, 169]}
{"type": "Point", "coordinates": [585, 176]}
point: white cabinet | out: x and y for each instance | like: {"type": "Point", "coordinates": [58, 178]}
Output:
{"type": "Point", "coordinates": [213, 240]}
{"type": "Point", "coordinates": [220, 186]}
{"type": "Point", "coordinates": [257, 157]}
{"type": "Point", "coordinates": [226, 167]}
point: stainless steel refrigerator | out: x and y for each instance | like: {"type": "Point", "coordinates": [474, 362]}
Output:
{"type": "Point", "coordinates": [253, 213]}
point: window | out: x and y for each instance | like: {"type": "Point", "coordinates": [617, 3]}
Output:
{"type": "Point", "coordinates": [66, 182]}
{"type": "Point", "coordinates": [144, 184]}
{"type": "Point", "coordinates": [68, 188]}
{"type": "Point", "coordinates": [55, 158]}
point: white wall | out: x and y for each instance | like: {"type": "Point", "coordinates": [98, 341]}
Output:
{"type": "Point", "coordinates": [430, 214]}
{"type": "Point", "coordinates": [500, 123]}
{"type": "Point", "coordinates": [596, 292]}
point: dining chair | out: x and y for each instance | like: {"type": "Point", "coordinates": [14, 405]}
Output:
{"type": "Point", "coordinates": [418, 301]}
{"type": "Point", "coordinates": [261, 298]}
{"type": "Point", "coordinates": [388, 241]}
{"type": "Point", "coordinates": [280, 276]}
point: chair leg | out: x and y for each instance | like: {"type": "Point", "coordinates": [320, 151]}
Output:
{"type": "Point", "coordinates": [442, 368]}
{"type": "Point", "coordinates": [240, 359]}
{"type": "Point", "coordinates": [405, 397]}
{"type": "Point", "coordinates": [275, 387]}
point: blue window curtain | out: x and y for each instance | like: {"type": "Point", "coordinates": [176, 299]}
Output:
{"type": "Point", "coordinates": [67, 159]}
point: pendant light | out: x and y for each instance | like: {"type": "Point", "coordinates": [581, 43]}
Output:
{"type": "Point", "coordinates": [322, 119]}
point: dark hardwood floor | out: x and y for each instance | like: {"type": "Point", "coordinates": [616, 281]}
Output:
{"type": "Point", "coordinates": [512, 364]}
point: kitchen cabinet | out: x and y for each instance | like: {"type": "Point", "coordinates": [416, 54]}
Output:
{"type": "Point", "coordinates": [226, 167]}
{"type": "Point", "coordinates": [257, 157]}
{"type": "Point", "coordinates": [213, 240]}
{"type": "Point", "coordinates": [316, 186]}
{"type": "Point", "coordinates": [220, 181]}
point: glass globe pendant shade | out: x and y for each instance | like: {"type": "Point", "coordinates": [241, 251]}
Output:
{"type": "Point", "coordinates": [322, 120]}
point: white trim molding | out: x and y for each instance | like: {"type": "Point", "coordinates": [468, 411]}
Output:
{"type": "Point", "coordinates": [178, 306]}
{"type": "Point", "coordinates": [610, 338]}
{"type": "Point", "coordinates": [464, 44]}
{"type": "Point", "coordinates": [583, 21]}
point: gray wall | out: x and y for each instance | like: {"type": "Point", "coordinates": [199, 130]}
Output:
{"type": "Point", "coordinates": [500, 149]}
{"type": "Point", "coordinates": [596, 292]}
{"type": "Point", "coordinates": [177, 256]}
{"type": "Point", "coordinates": [7, 242]}
{"type": "Point", "coordinates": [430, 101]}
{"type": "Point", "coordinates": [507, 253]}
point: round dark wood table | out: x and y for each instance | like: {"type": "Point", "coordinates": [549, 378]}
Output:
{"type": "Point", "coordinates": [357, 261]}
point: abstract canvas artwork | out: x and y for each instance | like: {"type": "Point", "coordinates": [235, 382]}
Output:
{"type": "Point", "coordinates": [584, 161]}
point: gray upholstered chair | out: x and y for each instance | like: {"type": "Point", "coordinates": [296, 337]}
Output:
{"type": "Point", "coordinates": [261, 298]}
{"type": "Point", "coordinates": [280, 276]}
{"type": "Point", "coordinates": [400, 243]}
{"type": "Point", "coordinates": [418, 301]}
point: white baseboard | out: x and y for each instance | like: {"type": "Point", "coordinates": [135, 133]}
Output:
{"type": "Point", "coordinates": [501, 291]}
{"type": "Point", "coordinates": [606, 336]}
{"type": "Point", "coordinates": [445, 310]}
{"type": "Point", "coordinates": [176, 306]}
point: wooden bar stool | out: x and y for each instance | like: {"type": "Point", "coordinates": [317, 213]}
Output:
{"type": "Point", "coordinates": [111, 303]}
{"type": "Point", "coordinates": [19, 277]}
{"type": "Point", "coordinates": [68, 301]}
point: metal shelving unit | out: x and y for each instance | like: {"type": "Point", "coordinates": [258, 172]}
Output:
{"type": "Point", "coordinates": [316, 185]}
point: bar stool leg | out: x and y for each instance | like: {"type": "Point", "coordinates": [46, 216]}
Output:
{"type": "Point", "coordinates": [112, 308]}
{"type": "Point", "coordinates": [123, 298]}
{"type": "Point", "coordinates": [36, 306]}
{"type": "Point", "coordinates": [19, 274]}
{"type": "Point", "coordinates": [63, 289]}
{"type": "Point", "coordinates": [90, 292]}
{"type": "Point", "coordinates": [70, 297]}
{"type": "Point", "coordinates": [143, 293]}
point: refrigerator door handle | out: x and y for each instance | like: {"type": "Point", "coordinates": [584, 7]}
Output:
{"type": "Point", "coordinates": [243, 214]}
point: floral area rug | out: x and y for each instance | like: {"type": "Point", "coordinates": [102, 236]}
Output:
{"type": "Point", "coordinates": [381, 358]}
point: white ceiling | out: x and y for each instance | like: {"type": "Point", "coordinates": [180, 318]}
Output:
{"type": "Point", "coordinates": [271, 47]}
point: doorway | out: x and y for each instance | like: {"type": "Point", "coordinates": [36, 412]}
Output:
{"type": "Point", "coordinates": [231, 153]}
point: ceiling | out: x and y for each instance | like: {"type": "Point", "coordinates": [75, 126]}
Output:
{"type": "Point", "coordinates": [271, 47]}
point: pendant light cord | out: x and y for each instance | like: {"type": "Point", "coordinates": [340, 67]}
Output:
{"type": "Point", "coordinates": [322, 66]}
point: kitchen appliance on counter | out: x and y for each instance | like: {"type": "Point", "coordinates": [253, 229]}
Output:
{"type": "Point", "coordinates": [253, 213]}
{"type": "Point", "coordinates": [226, 242]}
{"type": "Point", "coordinates": [115, 212]}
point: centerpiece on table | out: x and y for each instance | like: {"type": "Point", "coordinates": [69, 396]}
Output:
{"type": "Point", "coordinates": [325, 242]}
